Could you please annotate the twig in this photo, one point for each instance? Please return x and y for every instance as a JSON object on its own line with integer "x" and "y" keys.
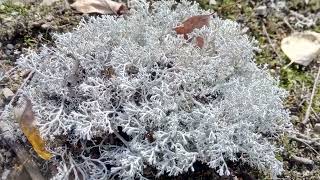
{"x": 21, "y": 86}
{"x": 270, "y": 41}
{"x": 302, "y": 160}
{"x": 306, "y": 142}
{"x": 315, "y": 114}
{"x": 122, "y": 139}
{"x": 306, "y": 118}
{"x": 26, "y": 160}
{"x": 21, "y": 152}
{"x": 8, "y": 73}
{"x": 288, "y": 24}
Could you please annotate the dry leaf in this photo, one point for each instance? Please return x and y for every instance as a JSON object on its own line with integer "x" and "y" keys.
{"x": 200, "y": 41}
{"x": 301, "y": 47}
{"x": 24, "y": 115}
{"x": 99, "y": 6}
{"x": 194, "y": 22}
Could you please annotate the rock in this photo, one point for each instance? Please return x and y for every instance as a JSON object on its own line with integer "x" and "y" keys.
{"x": 212, "y": 2}
{"x": 262, "y": 11}
{"x": 10, "y": 46}
{"x": 8, "y": 94}
{"x": 8, "y": 52}
{"x": 46, "y": 26}
{"x": 14, "y": 13}
{"x": 281, "y": 4}
{"x": 48, "y": 2}
{"x": 5, "y": 174}
{"x": 36, "y": 24}
{"x": 49, "y": 17}
{"x": 317, "y": 128}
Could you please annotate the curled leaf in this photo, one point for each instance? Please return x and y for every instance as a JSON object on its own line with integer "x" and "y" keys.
{"x": 200, "y": 41}
{"x": 301, "y": 47}
{"x": 194, "y": 22}
{"x": 99, "y": 6}
{"x": 24, "y": 115}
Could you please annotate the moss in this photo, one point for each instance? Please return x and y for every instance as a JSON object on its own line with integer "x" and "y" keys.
{"x": 8, "y": 7}
{"x": 292, "y": 76}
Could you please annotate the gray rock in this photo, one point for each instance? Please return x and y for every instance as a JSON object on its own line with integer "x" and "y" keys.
{"x": 261, "y": 11}
{"x": 10, "y": 46}
{"x": 49, "y": 17}
{"x": 46, "y": 26}
{"x": 8, "y": 52}
{"x": 8, "y": 94}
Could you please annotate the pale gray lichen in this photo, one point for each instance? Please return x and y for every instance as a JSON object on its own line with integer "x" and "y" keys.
{"x": 210, "y": 104}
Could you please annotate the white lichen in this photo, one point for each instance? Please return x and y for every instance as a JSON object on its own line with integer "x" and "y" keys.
{"x": 175, "y": 103}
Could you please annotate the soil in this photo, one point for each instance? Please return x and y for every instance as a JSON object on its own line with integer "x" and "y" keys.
{"x": 25, "y": 26}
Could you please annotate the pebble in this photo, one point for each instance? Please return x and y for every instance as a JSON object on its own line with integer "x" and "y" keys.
{"x": 8, "y": 94}
{"x": 317, "y": 128}
{"x": 261, "y": 11}
{"x": 49, "y": 18}
{"x": 10, "y": 46}
{"x": 46, "y": 26}
{"x": 8, "y": 52}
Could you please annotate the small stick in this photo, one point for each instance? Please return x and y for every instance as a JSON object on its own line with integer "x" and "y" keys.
{"x": 302, "y": 160}
{"x": 270, "y": 41}
{"x": 21, "y": 86}
{"x": 306, "y": 142}
{"x": 306, "y": 118}
{"x": 8, "y": 73}
{"x": 288, "y": 24}
{"x": 26, "y": 160}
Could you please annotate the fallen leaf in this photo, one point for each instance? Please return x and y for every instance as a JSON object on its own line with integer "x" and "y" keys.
{"x": 24, "y": 115}
{"x": 99, "y": 6}
{"x": 302, "y": 47}
{"x": 194, "y": 22}
{"x": 200, "y": 41}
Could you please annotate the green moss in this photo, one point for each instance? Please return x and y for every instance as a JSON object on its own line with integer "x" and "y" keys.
{"x": 29, "y": 41}
{"x": 292, "y": 76}
{"x": 8, "y": 7}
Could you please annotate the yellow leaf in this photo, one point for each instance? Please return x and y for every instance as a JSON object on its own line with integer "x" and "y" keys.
{"x": 24, "y": 115}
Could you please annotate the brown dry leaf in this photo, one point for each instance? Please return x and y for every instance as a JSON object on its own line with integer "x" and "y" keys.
{"x": 200, "y": 41}
{"x": 99, "y": 6}
{"x": 194, "y": 22}
{"x": 24, "y": 115}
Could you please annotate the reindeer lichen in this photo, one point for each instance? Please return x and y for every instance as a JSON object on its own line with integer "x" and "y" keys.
{"x": 128, "y": 92}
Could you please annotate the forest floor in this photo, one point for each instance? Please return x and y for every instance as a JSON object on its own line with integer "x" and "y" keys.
{"x": 28, "y": 26}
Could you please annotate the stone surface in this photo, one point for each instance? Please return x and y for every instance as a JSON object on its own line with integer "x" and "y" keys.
{"x": 261, "y": 11}
{"x": 7, "y": 93}
{"x": 10, "y": 46}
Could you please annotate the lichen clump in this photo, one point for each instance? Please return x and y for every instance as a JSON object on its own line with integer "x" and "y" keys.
{"x": 128, "y": 92}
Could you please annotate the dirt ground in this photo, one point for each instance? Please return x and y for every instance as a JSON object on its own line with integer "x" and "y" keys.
{"x": 25, "y": 26}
